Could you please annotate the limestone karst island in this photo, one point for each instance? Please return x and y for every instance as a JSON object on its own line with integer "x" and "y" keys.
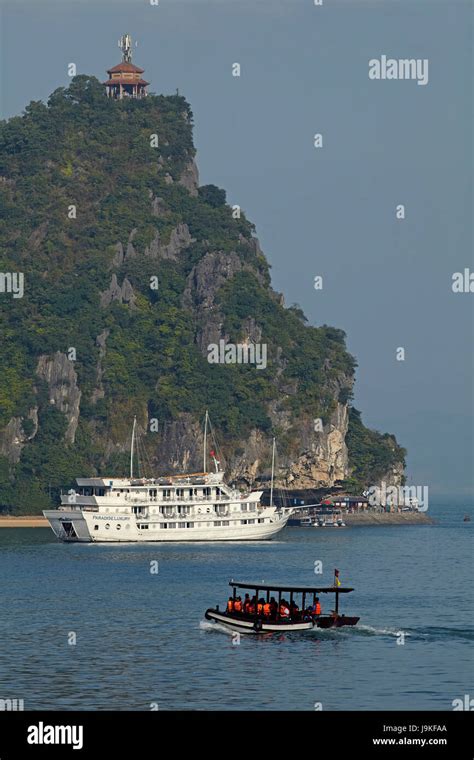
{"x": 133, "y": 273}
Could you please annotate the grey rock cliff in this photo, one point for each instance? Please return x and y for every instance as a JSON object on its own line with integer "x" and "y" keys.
{"x": 59, "y": 374}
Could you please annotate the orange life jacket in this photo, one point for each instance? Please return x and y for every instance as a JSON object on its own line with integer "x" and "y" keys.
{"x": 260, "y": 608}
{"x": 238, "y": 606}
{"x": 230, "y": 605}
{"x": 317, "y": 610}
{"x": 267, "y": 609}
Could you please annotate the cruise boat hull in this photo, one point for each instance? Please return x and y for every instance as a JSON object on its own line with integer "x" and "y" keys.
{"x": 90, "y": 527}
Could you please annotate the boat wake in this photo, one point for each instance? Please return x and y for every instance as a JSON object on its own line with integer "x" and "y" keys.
{"x": 430, "y": 633}
{"x": 204, "y": 625}
{"x": 370, "y": 630}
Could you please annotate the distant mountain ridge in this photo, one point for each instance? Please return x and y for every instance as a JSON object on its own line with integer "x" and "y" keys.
{"x": 131, "y": 271}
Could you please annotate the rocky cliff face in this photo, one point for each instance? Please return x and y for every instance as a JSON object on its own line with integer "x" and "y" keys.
{"x": 63, "y": 393}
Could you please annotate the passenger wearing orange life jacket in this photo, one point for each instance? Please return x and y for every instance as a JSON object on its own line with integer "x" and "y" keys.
{"x": 230, "y": 605}
{"x": 267, "y": 609}
{"x": 317, "y": 607}
{"x": 260, "y": 606}
{"x": 238, "y": 605}
{"x": 246, "y": 604}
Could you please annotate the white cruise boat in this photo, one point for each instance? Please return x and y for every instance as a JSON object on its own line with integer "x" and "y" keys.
{"x": 189, "y": 507}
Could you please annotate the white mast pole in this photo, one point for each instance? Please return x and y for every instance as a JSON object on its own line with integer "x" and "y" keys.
{"x": 273, "y": 472}
{"x": 132, "y": 446}
{"x": 205, "y": 442}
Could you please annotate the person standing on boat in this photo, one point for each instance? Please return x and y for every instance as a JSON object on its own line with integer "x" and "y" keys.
{"x": 284, "y": 609}
{"x": 230, "y": 605}
{"x": 267, "y": 609}
{"x": 246, "y": 604}
{"x": 238, "y": 605}
{"x": 317, "y": 607}
{"x": 273, "y": 607}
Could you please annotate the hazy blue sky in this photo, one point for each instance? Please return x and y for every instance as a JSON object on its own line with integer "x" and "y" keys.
{"x": 328, "y": 211}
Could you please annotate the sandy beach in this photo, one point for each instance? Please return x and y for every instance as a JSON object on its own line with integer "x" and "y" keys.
{"x": 23, "y": 521}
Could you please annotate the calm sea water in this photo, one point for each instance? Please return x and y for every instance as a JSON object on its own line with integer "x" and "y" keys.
{"x": 141, "y": 638}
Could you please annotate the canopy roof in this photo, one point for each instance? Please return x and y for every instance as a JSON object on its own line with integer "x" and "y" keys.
{"x": 125, "y": 66}
{"x": 297, "y": 589}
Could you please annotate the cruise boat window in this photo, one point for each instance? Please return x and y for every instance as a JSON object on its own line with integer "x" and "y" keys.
{"x": 181, "y": 525}
{"x": 225, "y": 522}
{"x": 190, "y": 525}
{"x": 96, "y": 527}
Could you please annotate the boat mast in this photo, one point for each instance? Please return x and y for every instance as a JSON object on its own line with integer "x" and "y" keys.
{"x": 273, "y": 473}
{"x": 131, "y": 448}
{"x": 205, "y": 442}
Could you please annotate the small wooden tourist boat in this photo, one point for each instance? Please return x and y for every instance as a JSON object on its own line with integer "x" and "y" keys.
{"x": 276, "y": 614}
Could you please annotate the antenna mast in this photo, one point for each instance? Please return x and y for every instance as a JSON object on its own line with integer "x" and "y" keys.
{"x": 205, "y": 441}
{"x": 132, "y": 446}
{"x": 273, "y": 472}
{"x": 125, "y": 43}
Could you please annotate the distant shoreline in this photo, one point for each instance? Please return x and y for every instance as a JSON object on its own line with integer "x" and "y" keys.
{"x": 388, "y": 518}
{"x": 23, "y": 521}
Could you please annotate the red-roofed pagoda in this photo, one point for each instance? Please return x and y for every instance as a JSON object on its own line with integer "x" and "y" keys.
{"x": 125, "y": 79}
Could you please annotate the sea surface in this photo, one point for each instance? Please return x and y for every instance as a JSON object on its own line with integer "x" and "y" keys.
{"x": 94, "y": 627}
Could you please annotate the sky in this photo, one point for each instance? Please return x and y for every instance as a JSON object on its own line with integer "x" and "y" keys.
{"x": 328, "y": 211}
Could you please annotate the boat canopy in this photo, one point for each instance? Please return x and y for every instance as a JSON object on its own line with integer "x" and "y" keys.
{"x": 294, "y": 589}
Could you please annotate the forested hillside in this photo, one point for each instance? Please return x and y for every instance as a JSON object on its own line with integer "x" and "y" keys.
{"x": 130, "y": 271}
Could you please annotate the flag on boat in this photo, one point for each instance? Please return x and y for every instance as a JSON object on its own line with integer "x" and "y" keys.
{"x": 337, "y": 582}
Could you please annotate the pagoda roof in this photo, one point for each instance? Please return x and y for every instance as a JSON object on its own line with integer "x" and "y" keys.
{"x": 122, "y": 80}
{"x": 124, "y": 66}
